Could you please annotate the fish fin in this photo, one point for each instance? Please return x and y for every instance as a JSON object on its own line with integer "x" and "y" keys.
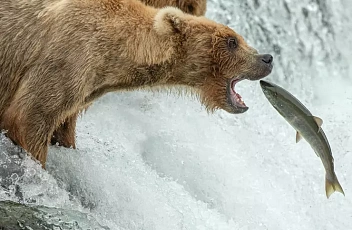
{"x": 318, "y": 120}
{"x": 332, "y": 186}
{"x": 298, "y": 137}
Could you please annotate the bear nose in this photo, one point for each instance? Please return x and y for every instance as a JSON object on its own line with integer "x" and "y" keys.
{"x": 267, "y": 58}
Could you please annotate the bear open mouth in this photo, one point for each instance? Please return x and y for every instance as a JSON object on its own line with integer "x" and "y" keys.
{"x": 234, "y": 98}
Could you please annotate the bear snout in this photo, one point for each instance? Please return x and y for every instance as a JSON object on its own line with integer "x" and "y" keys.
{"x": 267, "y": 58}
{"x": 262, "y": 66}
{"x": 265, "y": 64}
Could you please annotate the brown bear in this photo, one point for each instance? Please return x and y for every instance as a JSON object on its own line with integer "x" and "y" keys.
{"x": 195, "y": 7}
{"x": 58, "y": 56}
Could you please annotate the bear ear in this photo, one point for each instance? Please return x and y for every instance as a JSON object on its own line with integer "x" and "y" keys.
{"x": 169, "y": 20}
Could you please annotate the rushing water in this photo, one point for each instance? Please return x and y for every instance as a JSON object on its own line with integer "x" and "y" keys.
{"x": 151, "y": 161}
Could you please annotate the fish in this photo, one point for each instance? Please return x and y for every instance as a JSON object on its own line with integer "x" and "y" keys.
{"x": 306, "y": 126}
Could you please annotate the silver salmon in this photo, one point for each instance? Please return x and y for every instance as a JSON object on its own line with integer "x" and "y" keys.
{"x": 307, "y": 126}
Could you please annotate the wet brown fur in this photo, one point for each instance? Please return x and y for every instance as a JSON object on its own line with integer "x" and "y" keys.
{"x": 195, "y": 7}
{"x": 58, "y": 56}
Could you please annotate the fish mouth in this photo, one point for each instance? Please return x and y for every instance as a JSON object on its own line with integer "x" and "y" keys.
{"x": 265, "y": 84}
{"x": 234, "y": 99}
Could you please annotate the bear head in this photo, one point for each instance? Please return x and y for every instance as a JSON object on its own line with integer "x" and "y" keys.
{"x": 211, "y": 58}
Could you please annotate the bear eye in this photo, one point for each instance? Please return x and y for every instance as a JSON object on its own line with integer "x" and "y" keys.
{"x": 232, "y": 43}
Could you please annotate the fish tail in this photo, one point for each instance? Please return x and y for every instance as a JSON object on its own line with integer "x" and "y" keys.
{"x": 332, "y": 185}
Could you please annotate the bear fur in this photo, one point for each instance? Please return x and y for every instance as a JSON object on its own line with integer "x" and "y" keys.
{"x": 58, "y": 56}
{"x": 194, "y": 7}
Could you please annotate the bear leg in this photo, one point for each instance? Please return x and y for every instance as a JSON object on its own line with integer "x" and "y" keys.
{"x": 29, "y": 129}
{"x": 65, "y": 134}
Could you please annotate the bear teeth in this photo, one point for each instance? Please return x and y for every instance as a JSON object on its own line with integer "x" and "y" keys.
{"x": 236, "y": 97}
